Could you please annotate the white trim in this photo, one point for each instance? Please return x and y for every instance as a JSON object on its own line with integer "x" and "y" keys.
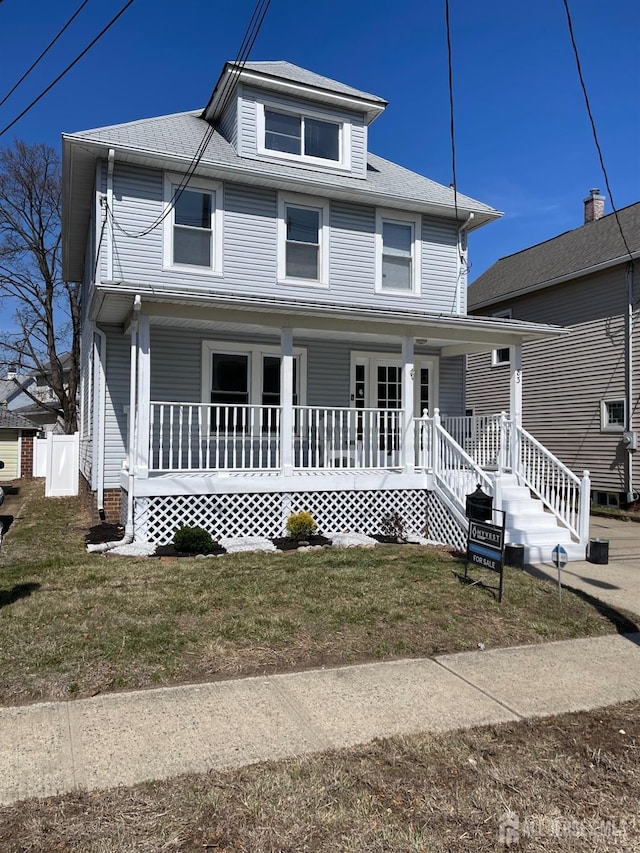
{"x": 415, "y": 220}
{"x": 605, "y": 426}
{"x": 342, "y": 164}
{"x": 254, "y": 352}
{"x": 215, "y": 189}
{"x": 312, "y": 203}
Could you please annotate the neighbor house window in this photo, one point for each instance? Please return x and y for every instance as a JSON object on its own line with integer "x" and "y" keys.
{"x": 303, "y": 241}
{"x": 501, "y": 355}
{"x": 193, "y": 226}
{"x": 304, "y": 136}
{"x": 398, "y": 253}
{"x": 613, "y": 415}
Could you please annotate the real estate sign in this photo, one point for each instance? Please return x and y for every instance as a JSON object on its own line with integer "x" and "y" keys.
{"x": 485, "y": 548}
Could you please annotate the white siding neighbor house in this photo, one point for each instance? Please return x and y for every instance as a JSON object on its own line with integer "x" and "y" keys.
{"x": 274, "y": 319}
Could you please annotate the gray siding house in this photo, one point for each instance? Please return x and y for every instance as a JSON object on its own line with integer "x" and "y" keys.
{"x": 274, "y": 319}
{"x": 580, "y": 394}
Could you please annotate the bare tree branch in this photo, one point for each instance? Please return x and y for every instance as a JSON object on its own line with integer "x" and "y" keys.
{"x": 47, "y": 311}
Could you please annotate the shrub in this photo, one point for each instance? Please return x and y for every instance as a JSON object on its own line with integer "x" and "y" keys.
{"x": 300, "y": 525}
{"x": 392, "y": 526}
{"x": 193, "y": 540}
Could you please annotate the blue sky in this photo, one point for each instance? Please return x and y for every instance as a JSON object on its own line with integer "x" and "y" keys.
{"x": 523, "y": 139}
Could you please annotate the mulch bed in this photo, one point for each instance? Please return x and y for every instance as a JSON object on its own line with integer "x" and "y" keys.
{"x": 283, "y": 543}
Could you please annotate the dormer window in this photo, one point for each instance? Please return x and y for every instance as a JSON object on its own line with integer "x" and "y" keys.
{"x": 307, "y": 136}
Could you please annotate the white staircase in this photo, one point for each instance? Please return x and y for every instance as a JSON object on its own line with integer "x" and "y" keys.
{"x": 528, "y": 523}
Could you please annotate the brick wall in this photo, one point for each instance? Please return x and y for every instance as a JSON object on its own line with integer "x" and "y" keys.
{"x": 26, "y": 455}
{"x": 112, "y": 503}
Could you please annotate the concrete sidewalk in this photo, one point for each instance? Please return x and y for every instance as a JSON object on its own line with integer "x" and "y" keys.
{"x": 125, "y": 738}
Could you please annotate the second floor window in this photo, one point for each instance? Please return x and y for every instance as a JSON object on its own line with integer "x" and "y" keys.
{"x": 301, "y": 135}
{"x": 193, "y": 225}
{"x": 193, "y": 229}
{"x": 398, "y": 252}
{"x": 302, "y": 243}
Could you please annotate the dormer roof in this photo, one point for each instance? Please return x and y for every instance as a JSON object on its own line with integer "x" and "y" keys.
{"x": 286, "y": 78}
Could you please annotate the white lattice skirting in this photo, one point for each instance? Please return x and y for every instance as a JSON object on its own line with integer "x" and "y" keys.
{"x": 257, "y": 514}
{"x": 444, "y": 527}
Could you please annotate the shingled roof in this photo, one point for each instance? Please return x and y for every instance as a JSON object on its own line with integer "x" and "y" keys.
{"x": 569, "y": 255}
{"x": 11, "y": 420}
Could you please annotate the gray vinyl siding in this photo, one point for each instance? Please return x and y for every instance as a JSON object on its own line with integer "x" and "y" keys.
{"x": 117, "y": 398}
{"x": 228, "y": 124}
{"x": 565, "y": 380}
{"x": 451, "y": 390}
{"x": 248, "y": 142}
{"x": 439, "y": 265}
{"x": 250, "y": 249}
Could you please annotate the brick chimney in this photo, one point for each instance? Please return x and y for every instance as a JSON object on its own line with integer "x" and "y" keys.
{"x": 593, "y": 206}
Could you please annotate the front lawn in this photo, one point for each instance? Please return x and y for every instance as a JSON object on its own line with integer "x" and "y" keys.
{"x": 74, "y": 624}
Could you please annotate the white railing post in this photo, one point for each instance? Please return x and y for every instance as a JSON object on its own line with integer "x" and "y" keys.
{"x": 435, "y": 442}
{"x": 286, "y": 400}
{"x": 515, "y": 402}
{"x": 408, "y": 451}
{"x": 502, "y": 452}
{"x": 585, "y": 507}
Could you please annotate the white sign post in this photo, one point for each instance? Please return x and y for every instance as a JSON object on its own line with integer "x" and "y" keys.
{"x": 559, "y": 557}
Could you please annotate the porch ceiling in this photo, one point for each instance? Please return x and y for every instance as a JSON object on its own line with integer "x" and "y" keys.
{"x": 452, "y": 335}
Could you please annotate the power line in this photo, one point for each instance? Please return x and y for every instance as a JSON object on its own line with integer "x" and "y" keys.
{"x": 68, "y": 68}
{"x": 44, "y": 52}
{"x": 593, "y": 126}
{"x": 226, "y": 93}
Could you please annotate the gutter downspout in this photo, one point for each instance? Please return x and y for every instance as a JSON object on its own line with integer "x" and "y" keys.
{"x": 100, "y": 394}
{"x": 109, "y": 213}
{"x": 133, "y": 391}
{"x": 461, "y": 231}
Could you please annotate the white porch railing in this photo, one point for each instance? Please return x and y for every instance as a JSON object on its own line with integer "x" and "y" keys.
{"x": 486, "y": 438}
{"x": 347, "y": 438}
{"x": 201, "y": 436}
{"x": 561, "y": 491}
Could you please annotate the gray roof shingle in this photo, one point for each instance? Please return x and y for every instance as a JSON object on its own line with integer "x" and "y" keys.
{"x": 569, "y": 254}
{"x": 288, "y": 71}
{"x": 11, "y": 420}
{"x": 181, "y": 134}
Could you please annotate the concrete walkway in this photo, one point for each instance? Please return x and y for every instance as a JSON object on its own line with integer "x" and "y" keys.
{"x": 121, "y": 739}
{"x": 618, "y": 582}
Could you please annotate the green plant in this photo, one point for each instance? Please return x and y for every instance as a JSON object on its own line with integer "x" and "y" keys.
{"x": 193, "y": 540}
{"x": 392, "y": 526}
{"x": 300, "y": 525}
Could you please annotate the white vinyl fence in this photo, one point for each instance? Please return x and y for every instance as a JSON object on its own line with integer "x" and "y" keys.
{"x": 57, "y": 457}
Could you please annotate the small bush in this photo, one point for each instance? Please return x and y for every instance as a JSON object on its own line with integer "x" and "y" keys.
{"x": 300, "y": 525}
{"x": 392, "y": 526}
{"x": 193, "y": 540}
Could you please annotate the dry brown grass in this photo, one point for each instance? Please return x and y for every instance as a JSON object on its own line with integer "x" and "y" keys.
{"x": 73, "y": 624}
{"x": 574, "y": 780}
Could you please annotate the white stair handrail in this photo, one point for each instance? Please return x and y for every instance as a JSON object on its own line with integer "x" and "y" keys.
{"x": 564, "y": 494}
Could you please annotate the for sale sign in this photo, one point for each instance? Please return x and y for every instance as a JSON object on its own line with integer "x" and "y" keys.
{"x": 485, "y": 545}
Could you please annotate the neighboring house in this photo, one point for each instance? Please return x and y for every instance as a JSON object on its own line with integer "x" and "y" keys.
{"x": 269, "y": 338}
{"x": 580, "y": 394}
{"x": 16, "y": 445}
{"x": 21, "y": 394}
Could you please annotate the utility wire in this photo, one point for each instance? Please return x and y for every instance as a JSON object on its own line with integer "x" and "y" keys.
{"x": 44, "y": 52}
{"x": 593, "y": 126}
{"x": 452, "y": 121}
{"x": 67, "y": 69}
{"x": 226, "y": 93}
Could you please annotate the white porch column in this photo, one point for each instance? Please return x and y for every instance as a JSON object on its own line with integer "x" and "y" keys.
{"x": 286, "y": 401}
{"x": 144, "y": 396}
{"x": 515, "y": 403}
{"x": 408, "y": 396}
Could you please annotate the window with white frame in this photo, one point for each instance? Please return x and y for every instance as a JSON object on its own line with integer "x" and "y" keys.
{"x": 398, "y": 253}
{"x": 235, "y": 376}
{"x": 501, "y": 355}
{"x": 310, "y": 135}
{"x": 613, "y": 415}
{"x": 193, "y": 226}
{"x": 303, "y": 245}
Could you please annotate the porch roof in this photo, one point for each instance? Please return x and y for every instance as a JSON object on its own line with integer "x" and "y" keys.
{"x": 452, "y": 334}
